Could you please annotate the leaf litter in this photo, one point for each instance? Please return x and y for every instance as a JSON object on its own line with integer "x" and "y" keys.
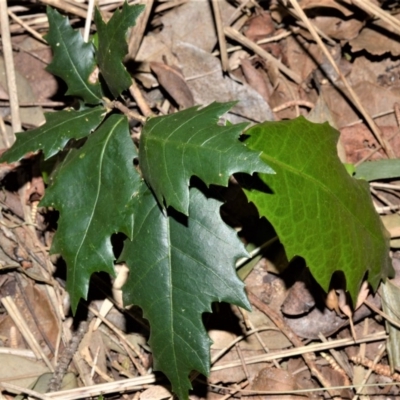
{"x": 255, "y": 355}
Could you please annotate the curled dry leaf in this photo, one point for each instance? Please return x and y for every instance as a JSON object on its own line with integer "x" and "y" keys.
{"x": 173, "y": 81}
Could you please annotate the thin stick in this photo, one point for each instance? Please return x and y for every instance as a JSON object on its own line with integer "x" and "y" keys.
{"x": 369, "y": 372}
{"x": 373, "y": 9}
{"x": 221, "y": 36}
{"x": 278, "y": 321}
{"x": 271, "y": 39}
{"x": 353, "y": 96}
{"x": 236, "y": 35}
{"x": 129, "y": 113}
{"x": 19, "y": 321}
{"x": 292, "y": 103}
{"x": 68, "y": 7}
{"x": 19, "y": 21}
{"x": 88, "y": 20}
{"x": 140, "y": 101}
{"x": 18, "y": 390}
{"x": 105, "y": 388}
{"x": 10, "y": 73}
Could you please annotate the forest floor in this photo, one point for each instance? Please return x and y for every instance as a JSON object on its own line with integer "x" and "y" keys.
{"x": 328, "y": 60}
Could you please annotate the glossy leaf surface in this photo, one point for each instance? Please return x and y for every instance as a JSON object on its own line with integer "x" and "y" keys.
{"x": 92, "y": 191}
{"x": 175, "y": 147}
{"x": 177, "y": 269}
{"x": 73, "y": 59}
{"x": 52, "y": 137}
{"x": 113, "y": 47}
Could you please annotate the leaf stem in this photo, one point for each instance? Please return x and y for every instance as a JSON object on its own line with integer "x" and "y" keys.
{"x": 255, "y": 252}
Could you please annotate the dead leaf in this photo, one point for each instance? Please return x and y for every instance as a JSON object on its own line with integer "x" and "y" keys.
{"x": 259, "y": 26}
{"x": 378, "y": 38}
{"x": 156, "y": 392}
{"x": 173, "y": 81}
{"x": 392, "y": 224}
{"x": 20, "y": 371}
{"x": 299, "y": 300}
{"x": 274, "y": 379}
{"x": 359, "y": 142}
{"x": 207, "y": 83}
{"x": 255, "y": 79}
{"x": 338, "y": 28}
{"x": 342, "y": 7}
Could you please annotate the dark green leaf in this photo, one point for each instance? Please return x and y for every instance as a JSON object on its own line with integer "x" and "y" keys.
{"x": 318, "y": 210}
{"x": 93, "y": 190}
{"x": 175, "y": 147}
{"x": 113, "y": 47}
{"x": 177, "y": 269}
{"x": 380, "y": 169}
{"x": 51, "y": 137}
{"x": 73, "y": 59}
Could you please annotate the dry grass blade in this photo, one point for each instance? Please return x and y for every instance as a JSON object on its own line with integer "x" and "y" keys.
{"x": 11, "y": 80}
{"x": 67, "y": 7}
{"x": 376, "y": 11}
{"x": 19, "y": 321}
{"x": 19, "y": 390}
{"x": 220, "y": 34}
{"x": 18, "y": 20}
{"x": 236, "y": 35}
{"x": 354, "y": 97}
{"x": 88, "y": 21}
{"x": 106, "y": 388}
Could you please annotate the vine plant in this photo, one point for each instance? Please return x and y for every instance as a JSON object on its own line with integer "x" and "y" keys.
{"x": 180, "y": 253}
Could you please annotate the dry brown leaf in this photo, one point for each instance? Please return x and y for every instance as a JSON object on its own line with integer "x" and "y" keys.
{"x": 303, "y": 57}
{"x": 377, "y": 38}
{"x": 206, "y": 81}
{"x": 156, "y": 392}
{"x": 392, "y": 224}
{"x": 274, "y": 379}
{"x": 342, "y": 7}
{"x": 338, "y": 28}
{"x": 28, "y": 63}
{"x": 259, "y": 26}
{"x": 20, "y": 371}
{"x": 299, "y": 300}
{"x": 358, "y": 142}
{"x": 376, "y": 99}
{"x": 173, "y": 81}
{"x": 255, "y": 79}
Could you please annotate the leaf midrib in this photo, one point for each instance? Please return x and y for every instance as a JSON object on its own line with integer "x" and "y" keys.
{"x": 72, "y": 63}
{"x": 101, "y": 160}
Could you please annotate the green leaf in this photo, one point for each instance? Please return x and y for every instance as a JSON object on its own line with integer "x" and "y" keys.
{"x": 113, "y": 47}
{"x": 318, "y": 211}
{"x": 51, "y": 137}
{"x": 177, "y": 269}
{"x": 93, "y": 190}
{"x": 380, "y": 169}
{"x": 175, "y": 147}
{"x": 73, "y": 59}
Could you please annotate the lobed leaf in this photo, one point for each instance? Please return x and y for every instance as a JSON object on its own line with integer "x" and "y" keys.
{"x": 175, "y": 147}
{"x": 113, "y": 47}
{"x": 177, "y": 269}
{"x": 73, "y": 59}
{"x": 52, "y": 137}
{"x": 318, "y": 210}
{"x": 93, "y": 190}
